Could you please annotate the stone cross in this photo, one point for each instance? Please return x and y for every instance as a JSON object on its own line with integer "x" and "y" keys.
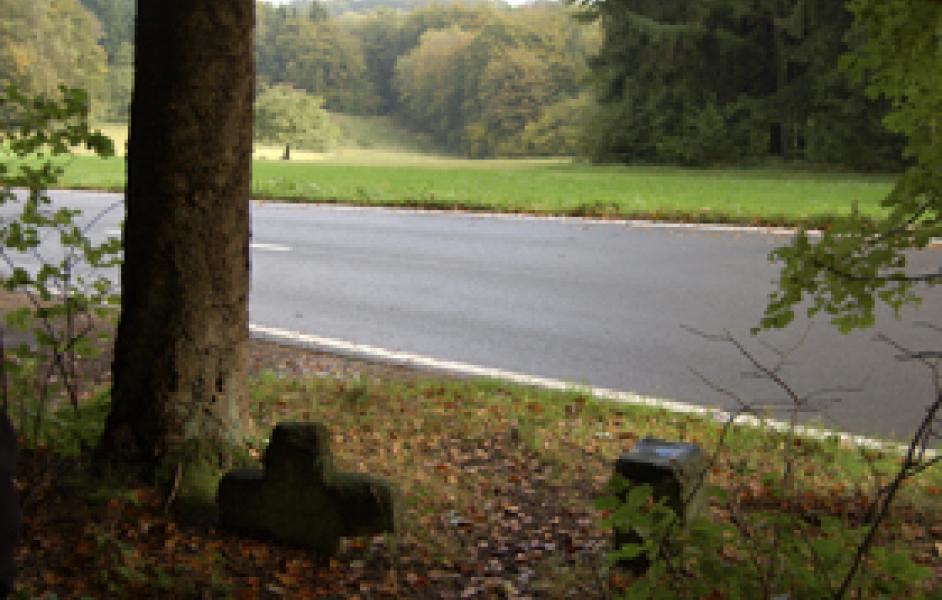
{"x": 300, "y": 498}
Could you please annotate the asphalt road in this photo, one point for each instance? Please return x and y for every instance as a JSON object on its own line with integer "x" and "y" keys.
{"x": 594, "y": 303}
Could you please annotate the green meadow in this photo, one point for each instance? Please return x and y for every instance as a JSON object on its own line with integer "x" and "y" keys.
{"x": 761, "y": 196}
{"x": 379, "y": 165}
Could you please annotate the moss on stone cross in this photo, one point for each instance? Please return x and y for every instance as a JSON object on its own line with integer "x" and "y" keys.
{"x": 300, "y": 498}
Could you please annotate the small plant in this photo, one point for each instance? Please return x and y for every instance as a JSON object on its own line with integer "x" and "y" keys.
{"x": 777, "y": 539}
{"x": 66, "y": 303}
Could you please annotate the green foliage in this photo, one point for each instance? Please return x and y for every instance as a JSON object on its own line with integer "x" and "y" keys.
{"x": 558, "y": 130}
{"x": 757, "y": 554}
{"x": 494, "y": 74}
{"x": 855, "y": 263}
{"x": 429, "y": 81}
{"x": 117, "y": 39}
{"x": 513, "y": 89}
{"x": 47, "y": 44}
{"x": 65, "y": 301}
{"x": 710, "y": 82}
{"x": 284, "y": 115}
{"x": 708, "y": 135}
{"x": 120, "y": 82}
{"x": 73, "y": 431}
{"x": 318, "y": 56}
{"x": 475, "y": 79}
{"x": 117, "y": 22}
{"x": 350, "y": 61}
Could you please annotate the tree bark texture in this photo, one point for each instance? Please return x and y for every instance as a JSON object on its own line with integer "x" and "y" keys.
{"x": 179, "y": 372}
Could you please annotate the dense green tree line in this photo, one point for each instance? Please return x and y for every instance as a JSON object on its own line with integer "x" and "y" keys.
{"x": 47, "y": 44}
{"x": 657, "y": 81}
{"x": 709, "y": 81}
{"x": 474, "y": 77}
{"x": 480, "y": 83}
{"x": 86, "y": 44}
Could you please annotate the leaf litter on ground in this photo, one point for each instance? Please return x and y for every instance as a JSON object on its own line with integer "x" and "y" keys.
{"x": 495, "y": 481}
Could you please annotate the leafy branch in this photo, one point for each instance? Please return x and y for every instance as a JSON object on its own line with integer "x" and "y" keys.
{"x": 35, "y": 133}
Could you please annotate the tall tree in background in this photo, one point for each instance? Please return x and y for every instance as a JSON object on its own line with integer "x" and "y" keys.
{"x": 475, "y": 88}
{"x": 302, "y": 49}
{"x": 47, "y": 44}
{"x": 180, "y": 354}
{"x": 673, "y": 71}
{"x": 430, "y": 81}
{"x": 513, "y": 89}
{"x": 117, "y": 21}
{"x": 731, "y": 80}
{"x": 284, "y": 115}
{"x": 117, "y": 39}
{"x": 380, "y": 35}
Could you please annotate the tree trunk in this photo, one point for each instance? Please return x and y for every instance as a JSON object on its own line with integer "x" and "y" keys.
{"x": 181, "y": 350}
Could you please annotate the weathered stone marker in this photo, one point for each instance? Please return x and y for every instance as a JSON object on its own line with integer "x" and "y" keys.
{"x": 673, "y": 470}
{"x": 300, "y": 498}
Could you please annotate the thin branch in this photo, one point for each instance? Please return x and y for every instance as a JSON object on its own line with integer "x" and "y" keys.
{"x": 927, "y": 325}
{"x": 930, "y": 278}
{"x": 743, "y": 405}
{"x": 908, "y": 468}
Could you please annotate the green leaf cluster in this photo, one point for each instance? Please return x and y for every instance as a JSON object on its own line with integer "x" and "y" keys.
{"x": 65, "y": 294}
{"x": 855, "y": 264}
{"x": 757, "y": 554}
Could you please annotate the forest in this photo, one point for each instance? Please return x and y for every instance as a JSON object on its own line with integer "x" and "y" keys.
{"x": 705, "y": 82}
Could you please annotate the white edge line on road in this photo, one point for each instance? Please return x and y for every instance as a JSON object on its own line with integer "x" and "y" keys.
{"x": 375, "y": 353}
{"x": 636, "y": 223}
{"x": 269, "y": 247}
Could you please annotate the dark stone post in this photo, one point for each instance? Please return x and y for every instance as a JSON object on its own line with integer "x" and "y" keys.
{"x": 674, "y": 471}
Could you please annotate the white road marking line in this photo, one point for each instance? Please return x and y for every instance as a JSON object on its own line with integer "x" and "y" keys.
{"x": 636, "y": 223}
{"x": 375, "y": 353}
{"x": 269, "y": 247}
{"x": 116, "y": 232}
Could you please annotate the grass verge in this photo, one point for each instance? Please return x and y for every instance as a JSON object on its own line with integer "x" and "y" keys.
{"x": 760, "y": 196}
{"x": 496, "y": 484}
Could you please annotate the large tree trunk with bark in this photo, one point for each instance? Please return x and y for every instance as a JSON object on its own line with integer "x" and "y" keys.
{"x": 181, "y": 349}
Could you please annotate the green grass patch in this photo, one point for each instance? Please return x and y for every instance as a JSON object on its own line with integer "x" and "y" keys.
{"x": 379, "y": 178}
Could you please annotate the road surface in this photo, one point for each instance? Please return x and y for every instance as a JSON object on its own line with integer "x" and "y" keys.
{"x": 593, "y": 303}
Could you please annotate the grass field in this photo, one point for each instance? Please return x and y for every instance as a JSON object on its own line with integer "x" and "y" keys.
{"x": 376, "y": 177}
{"x": 379, "y": 163}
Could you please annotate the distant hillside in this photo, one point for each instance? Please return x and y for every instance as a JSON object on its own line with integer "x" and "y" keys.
{"x": 379, "y": 133}
{"x": 340, "y": 7}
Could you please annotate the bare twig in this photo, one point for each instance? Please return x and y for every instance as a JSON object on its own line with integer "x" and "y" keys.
{"x": 913, "y": 463}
